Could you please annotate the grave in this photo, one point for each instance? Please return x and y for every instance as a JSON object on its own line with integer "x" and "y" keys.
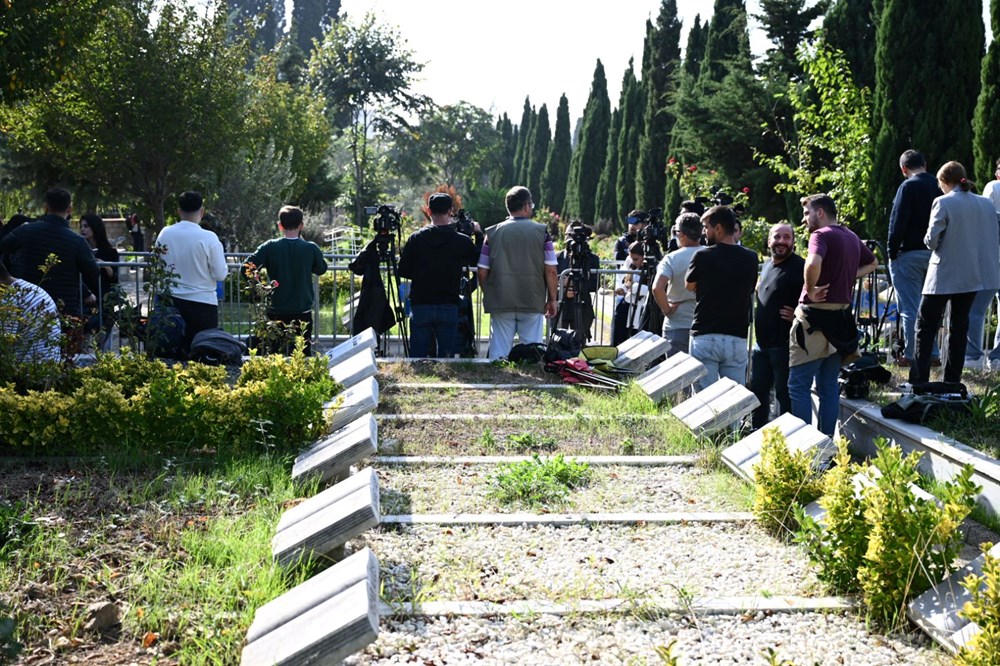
{"x": 332, "y": 456}
{"x": 354, "y": 369}
{"x": 321, "y": 621}
{"x": 640, "y": 350}
{"x": 360, "y": 399}
{"x": 722, "y": 404}
{"x": 799, "y": 435}
{"x": 364, "y": 340}
{"x": 861, "y": 481}
{"x": 327, "y": 521}
{"x": 671, "y": 376}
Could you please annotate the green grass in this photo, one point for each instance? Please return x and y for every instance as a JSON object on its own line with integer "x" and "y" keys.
{"x": 537, "y": 482}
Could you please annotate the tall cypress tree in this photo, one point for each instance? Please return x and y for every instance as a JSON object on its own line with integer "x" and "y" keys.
{"x": 259, "y": 16}
{"x": 538, "y": 151}
{"x": 694, "y": 54}
{"x": 556, "y": 171}
{"x": 508, "y": 141}
{"x": 727, "y": 43}
{"x": 588, "y": 159}
{"x": 850, "y": 26}
{"x": 604, "y": 199}
{"x": 659, "y": 78}
{"x": 311, "y": 19}
{"x": 633, "y": 123}
{"x": 524, "y": 135}
{"x": 922, "y": 100}
{"x": 986, "y": 123}
{"x": 786, "y": 24}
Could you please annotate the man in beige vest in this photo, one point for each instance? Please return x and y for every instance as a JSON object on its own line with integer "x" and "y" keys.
{"x": 517, "y": 271}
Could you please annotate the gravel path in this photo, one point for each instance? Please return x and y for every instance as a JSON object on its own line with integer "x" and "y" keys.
{"x": 613, "y": 489}
{"x": 432, "y": 562}
{"x": 806, "y": 639}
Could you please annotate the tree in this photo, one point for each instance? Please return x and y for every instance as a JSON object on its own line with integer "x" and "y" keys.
{"x": 523, "y": 137}
{"x": 659, "y": 78}
{"x": 694, "y": 53}
{"x": 628, "y": 138}
{"x": 786, "y": 24}
{"x": 850, "y": 26}
{"x": 311, "y": 20}
{"x": 258, "y": 19}
{"x": 986, "y": 122}
{"x": 605, "y": 202}
{"x": 585, "y": 167}
{"x": 538, "y": 151}
{"x": 365, "y": 74}
{"x": 556, "y": 171}
{"x": 508, "y": 144}
{"x": 921, "y": 100}
{"x": 727, "y": 44}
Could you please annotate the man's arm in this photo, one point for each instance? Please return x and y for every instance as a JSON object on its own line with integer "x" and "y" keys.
{"x": 89, "y": 270}
{"x": 816, "y": 293}
{"x": 551, "y": 280}
{"x": 217, "y": 261}
{"x": 319, "y": 262}
{"x": 867, "y": 268}
{"x": 660, "y": 294}
{"x": 691, "y": 277}
{"x": 406, "y": 260}
{"x": 898, "y": 219}
{"x": 483, "y": 268}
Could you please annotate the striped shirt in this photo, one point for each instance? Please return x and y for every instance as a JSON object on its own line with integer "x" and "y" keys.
{"x": 28, "y": 314}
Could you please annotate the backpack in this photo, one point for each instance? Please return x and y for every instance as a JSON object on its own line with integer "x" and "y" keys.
{"x": 214, "y": 346}
{"x": 920, "y": 408}
{"x": 564, "y": 344}
{"x": 164, "y": 331}
{"x": 526, "y": 353}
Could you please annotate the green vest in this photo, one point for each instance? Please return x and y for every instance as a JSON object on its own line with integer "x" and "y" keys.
{"x": 517, "y": 267}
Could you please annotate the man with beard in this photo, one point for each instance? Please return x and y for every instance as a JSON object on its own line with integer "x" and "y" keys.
{"x": 777, "y": 294}
{"x": 722, "y": 276}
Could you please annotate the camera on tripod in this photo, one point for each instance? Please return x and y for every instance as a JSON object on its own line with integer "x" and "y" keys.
{"x": 463, "y": 223}
{"x": 722, "y": 198}
{"x": 654, "y": 231}
{"x": 386, "y": 220}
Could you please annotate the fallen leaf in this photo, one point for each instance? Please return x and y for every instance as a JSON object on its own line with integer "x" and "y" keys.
{"x": 149, "y": 640}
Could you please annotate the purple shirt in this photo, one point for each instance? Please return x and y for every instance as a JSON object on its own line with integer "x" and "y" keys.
{"x": 843, "y": 253}
{"x": 548, "y": 247}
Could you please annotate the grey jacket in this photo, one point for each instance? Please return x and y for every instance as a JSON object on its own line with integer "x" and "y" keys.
{"x": 964, "y": 235}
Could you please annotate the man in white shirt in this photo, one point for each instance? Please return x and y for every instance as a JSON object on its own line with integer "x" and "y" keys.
{"x": 670, "y": 291}
{"x": 30, "y": 317}
{"x": 195, "y": 255}
{"x": 977, "y": 356}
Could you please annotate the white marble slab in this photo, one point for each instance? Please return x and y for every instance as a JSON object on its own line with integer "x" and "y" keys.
{"x": 366, "y": 339}
{"x": 720, "y": 405}
{"x": 354, "y": 369}
{"x": 352, "y": 403}
{"x": 742, "y": 456}
{"x": 333, "y": 455}
{"x": 671, "y": 376}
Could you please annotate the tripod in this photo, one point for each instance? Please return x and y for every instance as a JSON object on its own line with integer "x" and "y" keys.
{"x": 385, "y": 246}
{"x": 651, "y": 318}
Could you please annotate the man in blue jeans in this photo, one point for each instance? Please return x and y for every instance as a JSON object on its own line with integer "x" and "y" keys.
{"x": 908, "y": 256}
{"x": 433, "y": 258}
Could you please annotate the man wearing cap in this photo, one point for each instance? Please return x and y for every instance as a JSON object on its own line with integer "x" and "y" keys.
{"x": 433, "y": 258}
{"x": 517, "y": 270}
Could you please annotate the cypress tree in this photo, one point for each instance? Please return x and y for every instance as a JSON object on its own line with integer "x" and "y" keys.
{"x": 556, "y": 170}
{"x": 659, "y": 78}
{"x": 631, "y": 132}
{"x": 588, "y": 159}
{"x": 727, "y": 43}
{"x": 850, "y": 26}
{"x": 986, "y": 122}
{"x": 311, "y": 19}
{"x": 524, "y": 135}
{"x": 538, "y": 151}
{"x": 508, "y": 144}
{"x": 922, "y": 100}
{"x": 694, "y": 54}
{"x": 786, "y": 24}
{"x": 605, "y": 200}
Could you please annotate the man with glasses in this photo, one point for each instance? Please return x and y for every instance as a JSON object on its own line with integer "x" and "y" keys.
{"x": 517, "y": 271}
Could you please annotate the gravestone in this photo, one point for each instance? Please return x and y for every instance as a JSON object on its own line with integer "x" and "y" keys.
{"x": 671, "y": 376}
{"x": 352, "y": 403}
{"x": 860, "y": 481}
{"x": 720, "y": 405}
{"x": 640, "y": 350}
{"x": 354, "y": 369}
{"x": 799, "y": 436}
{"x": 364, "y": 340}
{"x": 327, "y": 521}
{"x": 332, "y": 456}
{"x": 321, "y": 621}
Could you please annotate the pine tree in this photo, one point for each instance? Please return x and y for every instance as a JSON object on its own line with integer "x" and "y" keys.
{"x": 538, "y": 151}
{"x": 986, "y": 122}
{"x": 850, "y": 26}
{"x": 557, "y": 162}
{"x": 922, "y": 101}
{"x": 694, "y": 54}
{"x": 588, "y": 159}
{"x": 311, "y": 19}
{"x": 786, "y": 24}
{"x": 507, "y": 147}
{"x": 659, "y": 78}
{"x": 260, "y": 17}
{"x": 632, "y": 125}
{"x": 727, "y": 44}
{"x": 524, "y": 135}
{"x": 605, "y": 200}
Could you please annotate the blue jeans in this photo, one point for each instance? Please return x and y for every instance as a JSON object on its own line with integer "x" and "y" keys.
{"x": 433, "y": 322}
{"x": 977, "y": 326}
{"x": 908, "y": 271}
{"x": 800, "y": 382}
{"x": 679, "y": 339}
{"x": 722, "y": 356}
{"x": 769, "y": 367}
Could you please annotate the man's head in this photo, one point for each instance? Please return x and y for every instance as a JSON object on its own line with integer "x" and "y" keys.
{"x": 191, "y": 206}
{"x": 58, "y": 202}
{"x": 781, "y": 242}
{"x": 290, "y": 218}
{"x": 912, "y": 162}
{"x": 637, "y": 220}
{"x": 738, "y": 230}
{"x": 818, "y": 211}
{"x": 996, "y": 172}
{"x": 719, "y": 223}
{"x": 440, "y": 205}
{"x": 693, "y": 206}
{"x": 688, "y": 227}
{"x": 518, "y": 201}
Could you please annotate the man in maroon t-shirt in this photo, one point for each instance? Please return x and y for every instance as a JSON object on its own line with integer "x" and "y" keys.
{"x": 824, "y": 335}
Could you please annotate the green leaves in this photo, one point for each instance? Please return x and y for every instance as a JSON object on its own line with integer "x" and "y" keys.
{"x": 538, "y": 482}
{"x": 785, "y": 480}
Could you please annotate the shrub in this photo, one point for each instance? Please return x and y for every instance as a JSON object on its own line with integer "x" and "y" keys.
{"x": 983, "y": 609}
{"x": 785, "y": 480}
{"x": 332, "y": 283}
{"x": 536, "y": 482}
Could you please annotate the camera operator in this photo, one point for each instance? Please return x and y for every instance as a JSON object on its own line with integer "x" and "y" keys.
{"x": 637, "y": 220}
{"x": 576, "y": 310}
{"x": 675, "y": 301}
{"x": 433, "y": 258}
{"x": 629, "y": 312}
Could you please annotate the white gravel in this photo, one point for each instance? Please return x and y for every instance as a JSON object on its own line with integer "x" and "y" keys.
{"x": 805, "y": 639}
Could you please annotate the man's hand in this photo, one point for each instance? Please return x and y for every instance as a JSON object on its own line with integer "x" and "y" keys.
{"x": 550, "y": 309}
{"x": 817, "y": 294}
{"x": 787, "y": 312}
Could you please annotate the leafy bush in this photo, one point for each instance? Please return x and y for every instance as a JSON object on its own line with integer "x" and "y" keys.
{"x": 983, "y": 609}
{"x": 785, "y": 480}
{"x": 536, "y": 482}
{"x": 332, "y": 283}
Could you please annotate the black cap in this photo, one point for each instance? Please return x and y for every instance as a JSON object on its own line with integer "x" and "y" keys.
{"x": 439, "y": 203}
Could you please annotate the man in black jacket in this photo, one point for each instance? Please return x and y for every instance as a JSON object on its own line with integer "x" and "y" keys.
{"x": 34, "y": 242}
{"x": 433, "y": 258}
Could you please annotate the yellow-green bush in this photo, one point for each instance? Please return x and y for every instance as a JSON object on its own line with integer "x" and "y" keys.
{"x": 983, "y": 609}
{"x": 785, "y": 480}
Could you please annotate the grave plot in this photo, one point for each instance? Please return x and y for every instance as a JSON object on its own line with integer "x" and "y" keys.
{"x": 457, "y": 401}
{"x": 429, "y": 371}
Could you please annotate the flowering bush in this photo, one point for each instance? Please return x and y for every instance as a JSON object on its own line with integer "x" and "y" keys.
{"x": 259, "y": 289}
{"x": 696, "y": 182}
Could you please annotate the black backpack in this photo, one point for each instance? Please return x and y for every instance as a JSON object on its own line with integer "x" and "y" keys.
{"x": 526, "y": 353}
{"x": 214, "y": 346}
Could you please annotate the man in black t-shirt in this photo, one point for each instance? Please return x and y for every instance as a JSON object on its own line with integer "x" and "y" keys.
{"x": 777, "y": 295}
{"x": 433, "y": 259}
{"x": 722, "y": 276}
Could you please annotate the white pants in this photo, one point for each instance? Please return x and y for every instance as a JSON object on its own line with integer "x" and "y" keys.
{"x": 529, "y": 327}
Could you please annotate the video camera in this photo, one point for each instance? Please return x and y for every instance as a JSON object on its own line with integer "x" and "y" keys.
{"x": 577, "y": 245}
{"x": 654, "y": 231}
{"x": 387, "y": 219}
{"x": 463, "y": 223}
{"x": 722, "y": 198}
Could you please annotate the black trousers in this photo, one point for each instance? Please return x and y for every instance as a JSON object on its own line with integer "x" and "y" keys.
{"x": 929, "y": 318}
{"x": 197, "y": 317}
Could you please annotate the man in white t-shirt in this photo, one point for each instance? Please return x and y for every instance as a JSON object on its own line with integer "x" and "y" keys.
{"x": 29, "y": 315}
{"x": 669, "y": 291}
{"x": 976, "y": 356}
{"x": 196, "y": 256}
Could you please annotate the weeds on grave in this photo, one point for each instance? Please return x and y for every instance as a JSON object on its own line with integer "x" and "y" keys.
{"x": 785, "y": 480}
{"x": 774, "y": 659}
{"x": 538, "y": 482}
{"x": 984, "y": 609}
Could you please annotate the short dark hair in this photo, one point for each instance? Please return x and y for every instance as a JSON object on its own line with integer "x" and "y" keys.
{"x": 439, "y": 203}
{"x": 636, "y": 248}
{"x": 689, "y": 224}
{"x": 58, "y": 200}
{"x": 190, "y": 202}
{"x": 692, "y": 206}
{"x": 641, "y": 217}
{"x": 517, "y": 198}
{"x": 721, "y": 215}
{"x": 820, "y": 201}
{"x": 290, "y": 217}
{"x": 998, "y": 164}
{"x": 912, "y": 159}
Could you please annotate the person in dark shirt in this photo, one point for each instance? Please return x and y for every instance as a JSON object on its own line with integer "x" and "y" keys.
{"x": 722, "y": 276}
{"x": 908, "y": 256}
{"x": 433, "y": 258}
{"x": 34, "y": 242}
{"x": 777, "y": 294}
{"x": 94, "y": 232}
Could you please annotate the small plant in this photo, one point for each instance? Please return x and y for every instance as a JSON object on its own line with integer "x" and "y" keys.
{"x": 538, "y": 482}
{"x": 986, "y": 406}
{"x": 527, "y": 442}
{"x": 487, "y": 441}
{"x": 785, "y": 480}
{"x": 259, "y": 289}
{"x": 666, "y": 654}
{"x": 983, "y": 609}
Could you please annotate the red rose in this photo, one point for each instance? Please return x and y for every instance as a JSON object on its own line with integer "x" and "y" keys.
{"x": 672, "y": 160}
{"x": 746, "y": 190}
{"x": 693, "y": 168}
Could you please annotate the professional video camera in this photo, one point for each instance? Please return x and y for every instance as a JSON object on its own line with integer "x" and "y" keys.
{"x": 577, "y": 245}
{"x": 576, "y": 312}
{"x": 722, "y": 198}
{"x": 654, "y": 231}
{"x": 386, "y": 219}
{"x": 463, "y": 223}
{"x": 388, "y": 227}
